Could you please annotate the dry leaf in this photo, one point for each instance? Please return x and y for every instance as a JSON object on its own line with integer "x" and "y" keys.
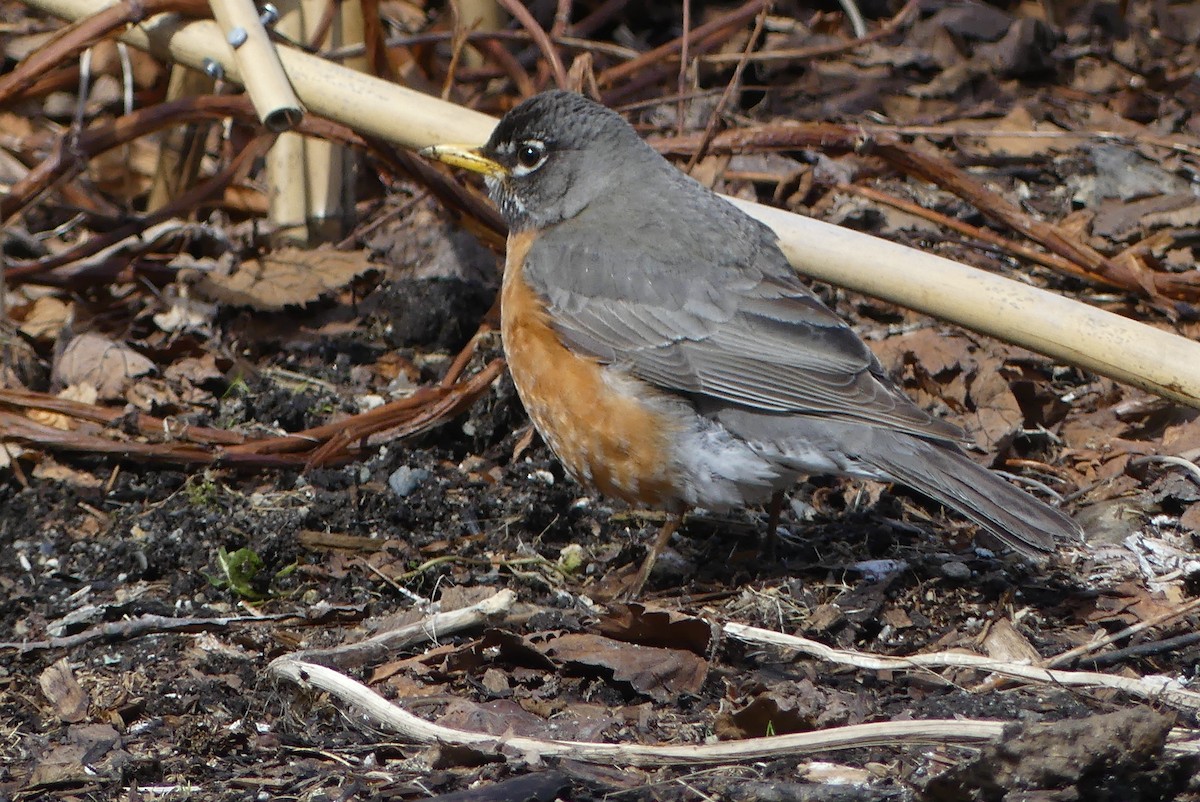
{"x": 1004, "y": 642}
{"x": 186, "y": 314}
{"x": 658, "y": 673}
{"x": 1020, "y": 123}
{"x": 194, "y": 370}
{"x": 59, "y": 686}
{"x": 151, "y": 395}
{"x": 637, "y": 623}
{"x": 102, "y": 363}
{"x": 44, "y": 318}
{"x": 287, "y": 277}
{"x": 83, "y": 393}
{"x": 997, "y": 413}
{"x": 8, "y": 453}
{"x": 54, "y": 471}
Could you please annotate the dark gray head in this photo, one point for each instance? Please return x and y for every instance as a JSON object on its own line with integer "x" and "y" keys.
{"x": 552, "y": 155}
{"x": 559, "y": 151}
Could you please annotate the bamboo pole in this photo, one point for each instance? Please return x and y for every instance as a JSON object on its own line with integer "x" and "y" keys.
{"x": 1060, "y": 327}
{"x": 365, "y": 103}
{"x": 287, "y": 185}
{"x": 1041, "y": 321}
{"x": 331, "y": 169}
{"x": 478, "y": 15}
{"x": 261, "y": 73}
{"x": 182, "y": 147}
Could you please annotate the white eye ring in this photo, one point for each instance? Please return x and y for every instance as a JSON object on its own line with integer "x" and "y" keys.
{"x": 531, "y": 154}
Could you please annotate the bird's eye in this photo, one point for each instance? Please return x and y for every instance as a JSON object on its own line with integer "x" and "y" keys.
{"x": 530, "y": 154}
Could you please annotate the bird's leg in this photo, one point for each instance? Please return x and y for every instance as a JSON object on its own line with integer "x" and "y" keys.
{"x": 660, "y": 543}
{"x": 770, "y": 537}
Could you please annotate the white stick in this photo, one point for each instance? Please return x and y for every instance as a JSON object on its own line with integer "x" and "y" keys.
{"x": 888, "y": 733}
{"x": 491, "y": 610}
{"x": 1158, "y": 689}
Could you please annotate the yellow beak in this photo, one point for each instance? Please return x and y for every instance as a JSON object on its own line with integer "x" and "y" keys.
{"x": 466, "y": 157}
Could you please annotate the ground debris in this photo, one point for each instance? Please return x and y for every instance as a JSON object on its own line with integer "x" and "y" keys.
{"x": 1111, "y": 756}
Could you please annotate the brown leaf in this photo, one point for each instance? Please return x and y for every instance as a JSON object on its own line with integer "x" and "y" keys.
{"x": 1117, "y": 220}
{"x": 1004, "y": 642}
{"x": 653, "y": 627}
{"x": 658, "y": 673}
{"x": 44, "y": 318}
{"x": 937, "y": 352}
{"x": 997, "y": 413}
{"x": 54, "y": 471}
{"x": 784, "y": 708}
{"x": 1020, "y": 123}
{"x": 88, "y": 748}
{"x": 59, "y": 686}
{"x": 287, "y": 277}
{"x": 499, "y": 717}
{"x": 194, "y": 370}
{"x": 95, "y": 360}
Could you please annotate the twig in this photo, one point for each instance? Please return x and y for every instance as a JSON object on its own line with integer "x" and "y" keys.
{"x": 140, "y": 627}
{"x": 107, "y": 135}
{"x": 489, "y": 612}
{"x": 1174, "y": 644}
{"x": 1159, "y": 689}
{"x": 1050, "y": 260}
{"x": 562, "y": 19}
{"x": 382, "y": 425}
{"x": 478, "y": 38}
{"x": 855, "y": 18}
{"x": 147, "y": 425}
{"x": 507, "y": 62}
{"x": 523, "y": 16}
{"x": 602, "y": 14}
{"x": 69, "y": 42}
{"x": 822, "y": 51}
{"x": 958, "y": 732}
{"x": 1189, "y": 467}
{"x": 941, "y": 172}
{"x": 710, "y": 128}
{"x": 681, "y": 80}
{"x": 1071, "y": 655}
{"x": 239, "y": 166}
{"x": 698, "y": 38}
{"x": 1114, "y": 346}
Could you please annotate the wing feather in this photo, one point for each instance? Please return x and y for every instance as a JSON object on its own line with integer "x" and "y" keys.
{"x": 745, "y": 331}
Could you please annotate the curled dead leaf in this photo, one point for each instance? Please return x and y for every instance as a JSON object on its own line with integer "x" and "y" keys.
{"x": 105, "y": 364}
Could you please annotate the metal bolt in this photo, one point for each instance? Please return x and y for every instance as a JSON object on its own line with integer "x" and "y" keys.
{"x": 269, "y": 15}
{"x": 237, "y": 37}
{"x": 213, "y": 69}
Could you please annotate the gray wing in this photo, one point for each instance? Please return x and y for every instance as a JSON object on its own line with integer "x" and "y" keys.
{"x": 742, "y": 330}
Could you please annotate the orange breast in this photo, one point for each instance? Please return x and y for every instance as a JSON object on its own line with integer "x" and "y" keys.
{"x": 603, "y": 431}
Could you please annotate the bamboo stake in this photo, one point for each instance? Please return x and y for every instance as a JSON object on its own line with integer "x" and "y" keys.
{"x": 263, "y": 76}
{"x": 478, "y": 15}
{"x": 1058, "y": 327}
{"x": 330, "y": 168}
{"x": 287, "y": 186}
{"x": 182, "y": 147}
{"x": 365, "y": 103}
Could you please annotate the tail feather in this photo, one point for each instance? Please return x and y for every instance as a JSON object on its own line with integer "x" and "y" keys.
{"x": 947, "y": 475}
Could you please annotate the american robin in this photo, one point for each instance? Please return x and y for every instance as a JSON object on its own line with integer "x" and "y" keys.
{"x": 670, "y": 356}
